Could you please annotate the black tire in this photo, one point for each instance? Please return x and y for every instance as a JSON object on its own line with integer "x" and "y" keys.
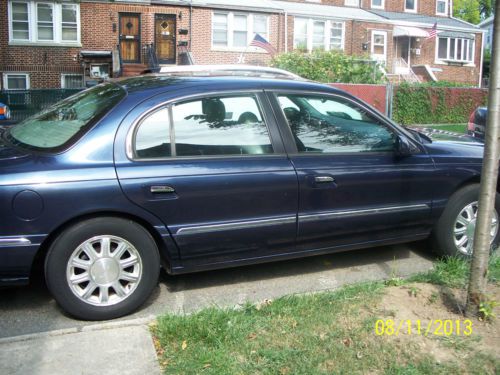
{"x": 442, "y": 237}
{"x": 64, "y": 248}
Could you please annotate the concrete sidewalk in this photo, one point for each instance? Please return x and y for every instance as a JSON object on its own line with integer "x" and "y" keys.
{"x": 121, "y": 348}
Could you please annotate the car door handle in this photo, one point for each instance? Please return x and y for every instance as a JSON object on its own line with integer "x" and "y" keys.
{"x": 162, "y": 189}
{"x": 323, "y": 179}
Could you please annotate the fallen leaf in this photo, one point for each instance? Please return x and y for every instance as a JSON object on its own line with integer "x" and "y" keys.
{"x": 252, "y": 336}
{"x": 184, "y": 345}
{"x": 359, "y": 355}
{"x": 207, "y": 365}
{"x": 347, "y": 342}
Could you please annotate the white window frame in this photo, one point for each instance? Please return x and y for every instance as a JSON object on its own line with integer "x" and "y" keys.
{"x": 445, "y": 8}
{"x": 382, "y": 6}
{"x": 10, "y": 20}
{"x": 411, "y": 10}
{"x": 63, "y": 79}
{"x": 33, "y": 24}
{"x": 374, "y": 55}
{"x": 5, "y": 80}
{"x": 230, "y": 32}
{"x": 351, "y": 3}
{"x": 326, "y": 36}
{"x": 454, "y": 59}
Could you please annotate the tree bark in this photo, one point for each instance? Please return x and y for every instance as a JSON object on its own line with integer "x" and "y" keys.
{"x": 489, "y": 177}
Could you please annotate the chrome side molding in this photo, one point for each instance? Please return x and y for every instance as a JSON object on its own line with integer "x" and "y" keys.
{"x": 14, "y": 241}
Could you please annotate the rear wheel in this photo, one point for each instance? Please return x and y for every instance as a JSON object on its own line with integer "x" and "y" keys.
{"x": 102, "y": 268}
{"x": 454, "y": 231}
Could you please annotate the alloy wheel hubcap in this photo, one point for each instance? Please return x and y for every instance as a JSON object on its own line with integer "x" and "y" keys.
{"x": 104, "y": 270}
{"x": 465, "y": 226}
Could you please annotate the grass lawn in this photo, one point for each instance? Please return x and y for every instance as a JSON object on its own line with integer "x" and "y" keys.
{"x": 455, "y": 128}
{"x": 334, "y": 332}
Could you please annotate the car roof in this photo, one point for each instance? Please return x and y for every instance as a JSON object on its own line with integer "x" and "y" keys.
{"x": 153, "y": 84}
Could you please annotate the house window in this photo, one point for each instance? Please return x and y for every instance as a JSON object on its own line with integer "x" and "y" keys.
{"x": 442, "y": 7}
{"x": 69, "y": 22}
{"x": 352, "y": 3}
{"x": 379, "y": 45}
{"x": 378, "y": 4}
{"x": 240, "y": 30}
{"x": 39, "y": 22}
{"x": 20, "y": 25}
{"x": 236, "y": 30}
{"x": 16, "y": 81}
{"x": 71, "y": 81}
{"x": 410, "y": 5}
{"x": 456, "y": 49}
{"x": 336, "y": 35}
{"x": 312, "y": 34}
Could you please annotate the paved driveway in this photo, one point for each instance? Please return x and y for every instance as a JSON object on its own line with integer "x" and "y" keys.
{"x": 26, "y": 310}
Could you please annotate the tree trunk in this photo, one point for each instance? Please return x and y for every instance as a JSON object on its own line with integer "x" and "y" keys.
{"x": 489, "y": 176}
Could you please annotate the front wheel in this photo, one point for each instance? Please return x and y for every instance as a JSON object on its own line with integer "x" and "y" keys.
{"x": 102, "y": 268}
{"x": 454, "y": 231}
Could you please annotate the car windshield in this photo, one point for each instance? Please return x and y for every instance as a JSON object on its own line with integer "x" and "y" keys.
{"x": 65, "y": 122}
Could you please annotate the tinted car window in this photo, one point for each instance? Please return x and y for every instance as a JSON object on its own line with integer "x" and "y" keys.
{"x": 332, "y": 125}
{"x": 224, "y": 125}
{"x": 64, "y": 122}
{"x": 152, "y": 139}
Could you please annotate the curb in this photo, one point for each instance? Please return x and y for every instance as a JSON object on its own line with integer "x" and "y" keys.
{"x": 89, "y": 328}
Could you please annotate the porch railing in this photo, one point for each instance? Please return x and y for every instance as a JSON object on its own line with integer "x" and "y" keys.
{"x": 150, "y": 58}
{"x": 404, "y": 70}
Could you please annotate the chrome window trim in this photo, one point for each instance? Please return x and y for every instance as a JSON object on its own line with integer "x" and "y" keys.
{"x": 200, "y": 229}
{"x": 353, "y": 213}
{"x": 132, "y": 132}
{"x": 14, "y": 241}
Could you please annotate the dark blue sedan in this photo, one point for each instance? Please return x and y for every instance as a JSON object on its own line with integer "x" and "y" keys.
{"x": 191, "y": 174}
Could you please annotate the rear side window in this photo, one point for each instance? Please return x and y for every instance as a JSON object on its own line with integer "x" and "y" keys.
{"x": 211, "y": 126}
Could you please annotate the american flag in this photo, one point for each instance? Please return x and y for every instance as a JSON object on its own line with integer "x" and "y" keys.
{"x": 433, "y": 32}
{"x": 259, "y": 41}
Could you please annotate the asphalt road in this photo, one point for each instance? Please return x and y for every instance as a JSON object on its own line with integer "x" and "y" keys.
{"x": 31, "y": 309}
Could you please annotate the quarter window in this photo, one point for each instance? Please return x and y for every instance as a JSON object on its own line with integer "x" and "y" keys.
{"x": 334, "y": 125}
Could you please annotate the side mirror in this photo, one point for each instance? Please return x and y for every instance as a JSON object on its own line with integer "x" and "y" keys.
{"x": 404, "y": 147}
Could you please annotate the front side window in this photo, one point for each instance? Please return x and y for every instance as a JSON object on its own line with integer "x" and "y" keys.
{"x": 442, "y": 7}
{"x": 229, "y": 125}
{"x": 66, "y": 121}
{"x": 322, "y": 124}
{"x": 16, "y": 81}
{"x": 44, "y": 21}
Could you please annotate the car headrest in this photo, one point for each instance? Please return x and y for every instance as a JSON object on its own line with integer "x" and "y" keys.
{"x": 214, "y": 110}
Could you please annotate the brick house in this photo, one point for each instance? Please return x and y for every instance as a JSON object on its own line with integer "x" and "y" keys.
{"x": 63, "y": 43}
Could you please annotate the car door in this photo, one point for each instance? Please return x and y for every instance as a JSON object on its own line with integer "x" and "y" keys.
{"x": 213, "y": 168}
{"x": 354, "y": 189}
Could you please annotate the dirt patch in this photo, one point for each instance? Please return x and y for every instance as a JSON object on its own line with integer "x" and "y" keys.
{"x": 416, "y": 310}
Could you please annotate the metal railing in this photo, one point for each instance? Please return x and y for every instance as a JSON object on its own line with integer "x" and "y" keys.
{"x": 150, "y": 58}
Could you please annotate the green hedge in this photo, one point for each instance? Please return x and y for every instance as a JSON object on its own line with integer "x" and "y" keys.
{"x": 432, "y": 104}
{"x": 330, "y": 67}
